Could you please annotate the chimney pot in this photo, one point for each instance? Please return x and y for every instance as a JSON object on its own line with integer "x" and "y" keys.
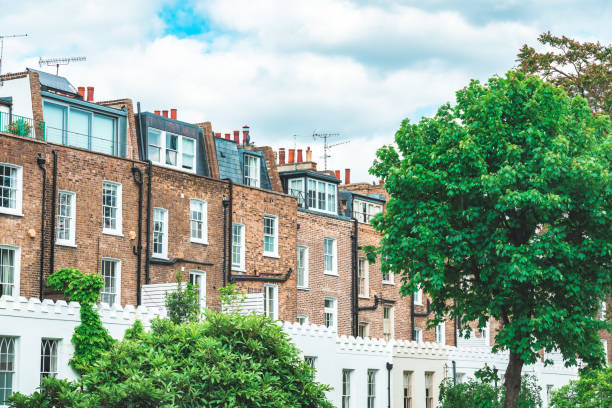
{"x": 165, "y": 113}
{"x": 291, "y": 156}
{"x": 228, "y": 136}
{"x": 82, "y": 91}
{"x": 299, "y": 156}
{"x": 337, "y": 174}
{"x": 157, "y": 112}
{"x": 309, "y": 155}
{"x": 347, "y": 176}
{"x": 218, "y": 134}
{"x": 281, "y": 155}
{"x": 237, "y": 136}
{"x": 173, "y": 114}
{"x": 90, "y": 94}
{"x": 245, "y": 134}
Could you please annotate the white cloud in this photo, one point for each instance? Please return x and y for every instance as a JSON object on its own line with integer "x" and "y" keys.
{"x": 283, "y": 67}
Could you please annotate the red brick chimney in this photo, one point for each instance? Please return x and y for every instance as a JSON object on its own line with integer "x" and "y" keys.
{"x": 299, "y": 156}
{"x": 291, "y": 156}
{"x": 309, "y": 155}
{"x": 173, "y": 114}
{"x": 281, "y": 155}
{"x": 245, "y": 134}
{"x": 347, "y": 176}
{"x": 337, "y": 174}
{"x": 165, "y": 113}
{"x": 228, "y": 136}
{"x": 82, "y": 91}
{"x": 157, "y": 112}
{"x": 237, "y": 136}
{"x": 90, "y": 94}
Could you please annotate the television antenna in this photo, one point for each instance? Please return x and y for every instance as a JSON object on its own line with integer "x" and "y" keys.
{"x": 326, "y": 144}
{"x": 2, "y": 37}
{"x": 59, "y": 61}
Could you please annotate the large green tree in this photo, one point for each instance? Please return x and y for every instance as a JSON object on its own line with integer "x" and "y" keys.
{"x": 500, "y": 208}
{"x": 582, "y": 69}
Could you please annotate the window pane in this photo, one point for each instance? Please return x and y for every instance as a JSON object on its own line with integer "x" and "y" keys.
{"x": 103, "y": 134}
{"x": 8, "y": 187}
{"x": 7, "y": 367}
{"x": 109, "y": 274}
{"x": 237, "y": 246}
{"x": 312, "y": 194}
{"x": 331, "y": 197}
{"x": 188, "y": 153}
{"x": 321, "y": 196}
{"x": 7, "y": 271}
{"x": 64, "y": 216}
{"x": 171, "y": 149}
{"x": 78, "y": 126}
{"x": 55, "y": 119}
{"x": 48, "y": 358}
{"x": 159, "y": 231}
{"x": 154, "y": 136}
{"x": 110, "y": 205}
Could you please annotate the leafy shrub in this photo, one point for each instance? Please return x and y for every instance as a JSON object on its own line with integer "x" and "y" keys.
{"x": 225, "y": 360}
{"x": 19, "y": 127}
{"x": 90, "y": 338}
{"x": 183, "y": 305}
{"x": 592, "y": 390}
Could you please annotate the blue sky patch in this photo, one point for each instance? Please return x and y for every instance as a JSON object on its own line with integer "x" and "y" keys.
{"x": 182, "y": 20}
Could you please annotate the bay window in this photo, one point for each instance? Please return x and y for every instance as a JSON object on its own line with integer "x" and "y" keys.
{"x": 322, "y": 196}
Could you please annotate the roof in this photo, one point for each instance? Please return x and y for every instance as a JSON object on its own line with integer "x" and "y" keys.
{"x": 310, "y": 174}
{"x": 6, "y": 100}
{"x": 54, "y": 81}
{"x": 230, "y": 160}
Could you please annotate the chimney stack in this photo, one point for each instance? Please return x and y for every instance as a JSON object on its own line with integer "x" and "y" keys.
{"x": 347, "y": 176}
{"x": 157, "y": 112}
{"x": 173, "y": 114}
{"x": 291, "y": 156}
{"x": 337, "y": 174}
{"x": 165, "y": 113}
{"x": 227, "y": 136}
{"x": 90, "y": 94}
{"x": 281, "y": 155}
{"x": 309, "y": 155}
{"x": 245, "y": 134}
{"x": 299, "y": 156}
{"x": 82, "y": 91}
{"x": 237, "y": 136}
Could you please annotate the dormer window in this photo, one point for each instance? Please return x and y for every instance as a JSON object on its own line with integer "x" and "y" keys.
{"x": 251, "y": 170}
{"x": 171, "y": 150}
{"x": 322, "y": 196}
{"x": 364, "y": 211}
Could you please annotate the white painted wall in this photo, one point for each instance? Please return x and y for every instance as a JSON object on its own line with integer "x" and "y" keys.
{"x": 19, "y": 89}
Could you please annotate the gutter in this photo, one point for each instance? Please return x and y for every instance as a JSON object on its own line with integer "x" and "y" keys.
{"x": 260, "y": 278}
{"x": 389, "y": 368}
{"x": 377, "y": 300}
{"x": 41, "y": 163}
{"x": 354, "y": 281}
{"x": 228, "y": 245}
{"x": 148, "y": 260}
{"x": 175, "y": 260}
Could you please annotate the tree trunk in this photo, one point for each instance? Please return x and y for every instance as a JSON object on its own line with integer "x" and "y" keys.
{"x": 512, "y": 380}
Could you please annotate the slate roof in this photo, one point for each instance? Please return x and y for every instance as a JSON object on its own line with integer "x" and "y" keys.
{"x": 231, "y": 160}
{"x": 54, "y": 81}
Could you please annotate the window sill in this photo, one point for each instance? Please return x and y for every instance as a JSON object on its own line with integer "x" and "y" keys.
{"x": 388, "y": 283}
{"x": 364, "y": 297}
{"x": 303, "y": 288}
{"x": 11, "y": 212}
{"x": 270, "y": 255}
{"x": 330, "y": 273}
{"x": 165, "y": 258}
{"x": 66, "y": 244}
{"x": 240, "y": 271}
{"x": 110, "y": 232}
{"x": 418, "y": 304}
{"x": 193, "y": 241}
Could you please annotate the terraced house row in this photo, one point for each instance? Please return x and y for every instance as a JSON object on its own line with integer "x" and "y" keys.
{"x": 141, "y": 196}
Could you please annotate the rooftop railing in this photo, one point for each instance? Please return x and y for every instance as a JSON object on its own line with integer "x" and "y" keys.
{"x": 22, "y": 126}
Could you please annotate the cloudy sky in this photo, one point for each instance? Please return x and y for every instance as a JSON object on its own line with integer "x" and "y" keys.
{"x": 289, "y": 68}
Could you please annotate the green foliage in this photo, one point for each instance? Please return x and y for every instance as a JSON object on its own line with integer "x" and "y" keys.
{"x": 226, "y": 360}
{"x": 583, "y": 69}
{"x": 134, "y": 332}
{"x": 90, "y": 338}
{"x": 502, "y": 203}
{"x": 592, "y": 390}
{"x": 231, "y": 297}
{"x": 482, "y": 393}
{"x": 183, "y": 305}
{"x": 19, "y": 127}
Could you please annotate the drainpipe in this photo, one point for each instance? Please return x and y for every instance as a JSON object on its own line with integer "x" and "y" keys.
{"x": 354, "y": 282}
{"x": 41, "y": 163}
{"x": 454, "y": 372}
{"x": 455, "y": 322}
{"x": 224, "y": 264}
{"x": 230, "y": 228}
{"x": 389, "y": 367}
{"x": 148, "y": 244}
{"x": 53, "y": 205}
{"x": 137, "y": 174}
{"x": 414, "y": 314}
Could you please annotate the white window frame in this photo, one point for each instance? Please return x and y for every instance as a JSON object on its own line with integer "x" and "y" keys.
{"x": 371, "y": 209}
{"x": 164, "y": 253}
{"x": 371, "y": 388}
{"x": 273, "y": 254}
{"x": 204, "y": 209}
{"x": 8, "y": 340}
{"x": 429, "y": 399}
{"x": 346, "y": 388}
{"x": 297, "y": 192}
{"x": 202, "y": 288}
{"x": 309, "y": 181}
{"x": 119, "y": 217}
{"x": 333, "y": 311}
{"x": 54, "y": 351}
{"x": 366, "y": 329}
{"x": 418, "y": 297}
{"x": 302, "y": 269}
{"x": 72, "y": 228}
{"x": 391, "y": 322}
{"x": 179, "y": 151}
{"x": 418, "y": 334}
{"x": 407, "y": 388}
{"x": 389, "y": 280}
{"x": 271, "y": 312}
{"x": 440, "y": 333}
{"x": 311, "y": 361}
{"x": 255, "y": 179}
{"x": 16, "y": 287}
{"x": 18, "y": 191}
{"x": 334, "y": 255}
{"x": 363, "y": 272}
{"x": 302, "y": 319}
{"x": 241, "y": 267}
{"x": 117, "y": 263}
